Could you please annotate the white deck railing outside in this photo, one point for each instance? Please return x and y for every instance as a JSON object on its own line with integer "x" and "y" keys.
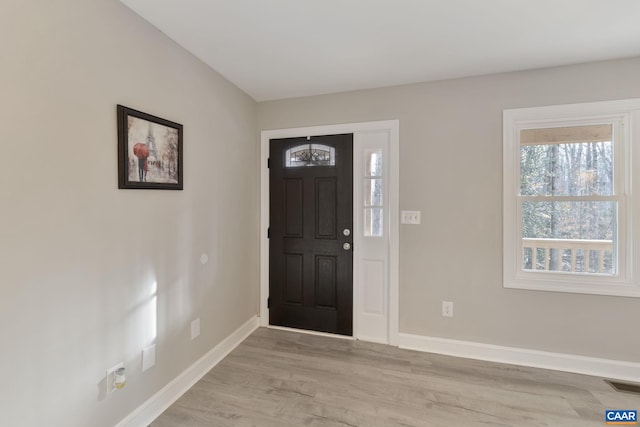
{"x": 586, "y": 256}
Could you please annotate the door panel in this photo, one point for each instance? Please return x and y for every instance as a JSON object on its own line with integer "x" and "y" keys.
{"x": 293, "y": 278}
{"x": 293, "y": 208}
{"x": 326, "y": 208}
{"x": 326, "y": 274}
{"x": 311, "y": 202}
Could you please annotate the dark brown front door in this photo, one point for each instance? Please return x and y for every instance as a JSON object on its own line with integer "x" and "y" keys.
{"x": 310, "y": 239}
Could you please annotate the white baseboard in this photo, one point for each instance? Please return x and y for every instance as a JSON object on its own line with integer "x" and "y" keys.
{"x": 606, "y": 368}
{"x": 159, "y": 402}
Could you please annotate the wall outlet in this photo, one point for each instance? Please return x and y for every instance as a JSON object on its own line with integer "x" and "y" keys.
{"x": 148, "y": 357}
{"x": 195, "y": 328}
{"x": 447, "y": 309}
{"x": 111, "y": 387}
{"x": 410, "y": 217}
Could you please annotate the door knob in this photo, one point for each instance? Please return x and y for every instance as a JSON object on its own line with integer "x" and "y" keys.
{"x": 346, "y": 232}
{"x": 346, "y": 246}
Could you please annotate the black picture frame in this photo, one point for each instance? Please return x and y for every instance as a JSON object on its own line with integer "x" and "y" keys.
{"x": 149, "y": 151}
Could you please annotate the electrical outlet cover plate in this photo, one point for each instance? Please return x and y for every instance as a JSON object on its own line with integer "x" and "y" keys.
{"x": 111, "y": 376}
{"x": 195, "y": 328}
{"x": 447, "y": 308}
{"x": 148, "y": 357}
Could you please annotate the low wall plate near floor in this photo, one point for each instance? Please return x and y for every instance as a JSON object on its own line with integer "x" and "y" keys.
{"x": 159, "y": 402}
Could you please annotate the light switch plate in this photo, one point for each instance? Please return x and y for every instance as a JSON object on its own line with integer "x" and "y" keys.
{"x": 410, "y": 217}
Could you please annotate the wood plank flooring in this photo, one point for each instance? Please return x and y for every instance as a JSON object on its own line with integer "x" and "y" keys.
{"x": 281, "y": 378}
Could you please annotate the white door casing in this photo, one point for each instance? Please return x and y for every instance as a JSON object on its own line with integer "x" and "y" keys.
{"x": 375, "y": 266}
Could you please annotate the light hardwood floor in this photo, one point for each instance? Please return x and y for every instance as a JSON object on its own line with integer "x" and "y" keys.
{"x": 280, "y": 378}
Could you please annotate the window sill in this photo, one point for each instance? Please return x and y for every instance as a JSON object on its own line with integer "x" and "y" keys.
{"x": 616, "y": 289}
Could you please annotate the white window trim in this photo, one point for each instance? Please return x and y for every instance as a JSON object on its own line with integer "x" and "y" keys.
{"x": 627, "y": 156}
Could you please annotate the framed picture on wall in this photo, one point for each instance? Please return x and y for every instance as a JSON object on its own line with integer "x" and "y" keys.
{"x": 149, "y": 151}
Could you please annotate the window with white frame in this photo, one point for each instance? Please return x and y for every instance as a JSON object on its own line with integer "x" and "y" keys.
{"x": 373, "y": 192}
{"x": 568, "y": 206}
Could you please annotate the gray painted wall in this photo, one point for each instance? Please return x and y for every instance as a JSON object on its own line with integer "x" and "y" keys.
{"x": 451, "y": 170}
{"x": 79, "y": 259}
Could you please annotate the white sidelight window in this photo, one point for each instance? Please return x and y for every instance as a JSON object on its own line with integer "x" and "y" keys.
{"x": 568, "y": 205}
{"x": 373, "y": 191}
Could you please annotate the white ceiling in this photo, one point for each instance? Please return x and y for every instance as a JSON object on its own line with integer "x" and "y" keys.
{"x": 276, "y": 49}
